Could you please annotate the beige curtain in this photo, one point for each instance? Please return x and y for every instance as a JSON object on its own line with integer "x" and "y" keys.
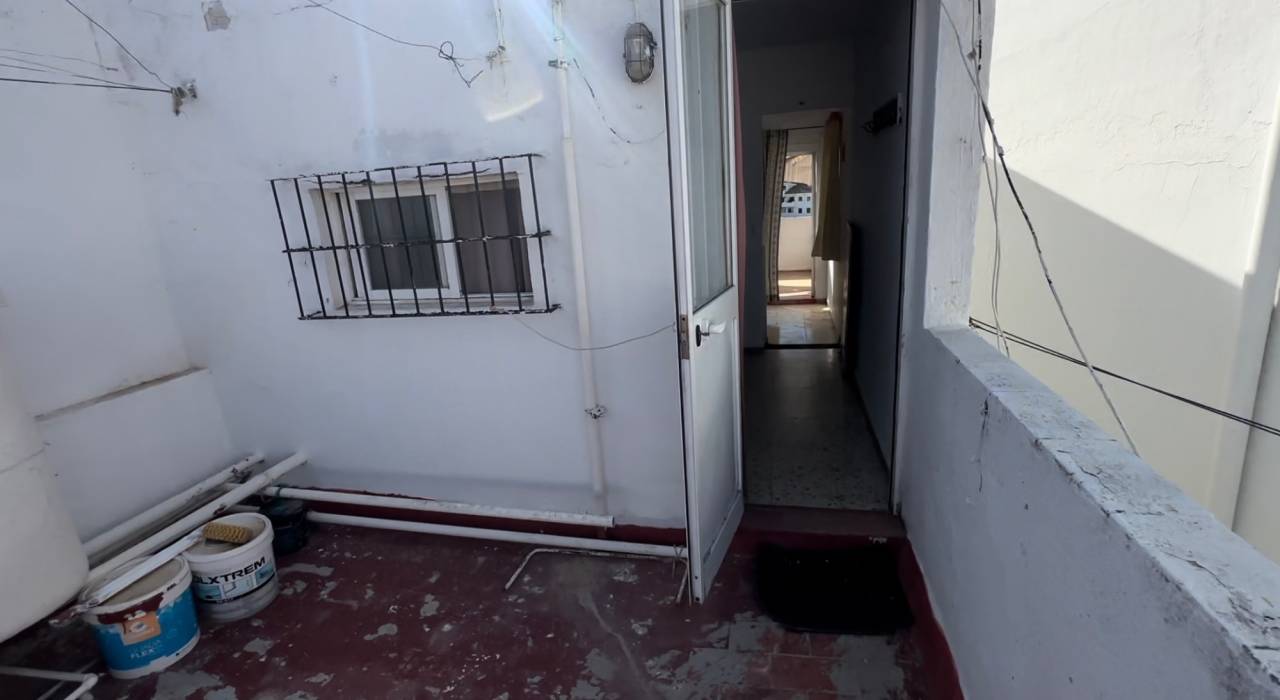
{"x": 775, "y": 167}
{"x": 830, "y": 227}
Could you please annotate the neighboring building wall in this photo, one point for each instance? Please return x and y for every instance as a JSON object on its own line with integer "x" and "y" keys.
{"x": 1139, "y": 136}
{"x": 478, "y": 409}
{"x": 1058, "y": 564}
{"x": 84, "y": 304}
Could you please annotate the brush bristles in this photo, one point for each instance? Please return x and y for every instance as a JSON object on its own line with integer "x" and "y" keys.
{"x": 225, "y": 532}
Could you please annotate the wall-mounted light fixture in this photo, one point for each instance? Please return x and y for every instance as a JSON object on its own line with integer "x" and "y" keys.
{"x": 638, "y": 50}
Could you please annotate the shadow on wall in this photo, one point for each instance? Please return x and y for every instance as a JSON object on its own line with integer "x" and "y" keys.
{"x": 1139, "y": 310}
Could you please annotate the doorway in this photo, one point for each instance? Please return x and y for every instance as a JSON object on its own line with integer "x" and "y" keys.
{"x": 798, "y": 314}
{"x": 811, "y": 423}
{"x": 826, "y": 169}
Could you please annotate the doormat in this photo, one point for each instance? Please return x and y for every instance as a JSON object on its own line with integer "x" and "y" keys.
{"x": 853, "y": 590}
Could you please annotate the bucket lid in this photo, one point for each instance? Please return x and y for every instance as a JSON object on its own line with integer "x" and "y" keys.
{"x": 144, "y": 587}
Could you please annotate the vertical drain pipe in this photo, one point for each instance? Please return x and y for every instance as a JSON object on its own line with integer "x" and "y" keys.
{"x": 590, "y": 400}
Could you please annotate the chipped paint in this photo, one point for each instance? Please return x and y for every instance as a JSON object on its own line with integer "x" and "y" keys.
{"x": 430, "y": 606}
{"x": 387, "y": 630}
{"x": 302, "y": 568}
{"x": 215, "y": 16}
{"x": 179, "y": 685}
{"x": 320, "y": 678}
{"x": 259, "y": 646}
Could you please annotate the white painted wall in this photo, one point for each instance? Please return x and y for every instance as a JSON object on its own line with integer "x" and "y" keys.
{"x": 1059, "y": 565}
{"x": 84, "y": 303}
{"x": 1138, "y": 133}
{"x": 475, "y": 409}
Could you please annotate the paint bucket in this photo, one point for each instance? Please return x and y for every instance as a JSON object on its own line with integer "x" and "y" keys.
{"x": 149, "y": 625}
{"x": 232, "y": 581}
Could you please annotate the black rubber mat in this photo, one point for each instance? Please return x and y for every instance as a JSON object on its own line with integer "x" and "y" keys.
{"x": 835, "y": 591}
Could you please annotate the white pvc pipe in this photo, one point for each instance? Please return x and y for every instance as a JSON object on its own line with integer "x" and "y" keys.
{"x": 590, "y": 398}
{"x": 479, "y": 533}
{"x": 198, "y": 516}
{"x": 432, "y": 506}
{"x": 86, "y": 680}
{"x": 131, "y": 527}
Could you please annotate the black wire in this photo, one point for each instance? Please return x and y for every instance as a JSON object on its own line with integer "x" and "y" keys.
{"x": 988, "y": 328}
{"x": 96, "y": 85}
{"x": 444, "y": 50}
{"x": 119, "y": 43}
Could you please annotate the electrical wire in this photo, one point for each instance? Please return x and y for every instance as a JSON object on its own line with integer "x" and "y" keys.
{"x": 553, "y": 341}
{"x": 38, "y": 67}
{"x": 1031, "y": 344}
{"x": 993, "y": 190}
{"x": 96, "y": 85}
{"x": 444, "y": 50}
{"x": 1035, "y": 238}
{"x": 604, "y": 117}
{"x": 119, "y": 43}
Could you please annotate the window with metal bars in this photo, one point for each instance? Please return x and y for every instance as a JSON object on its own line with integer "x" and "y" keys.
{"x": 440, "y": 239}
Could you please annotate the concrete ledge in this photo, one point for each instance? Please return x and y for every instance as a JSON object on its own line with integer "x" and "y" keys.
{"x": 1061, "y": 564}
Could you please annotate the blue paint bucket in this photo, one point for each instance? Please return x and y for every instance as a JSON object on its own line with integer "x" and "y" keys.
{"x": 148, "y": 626}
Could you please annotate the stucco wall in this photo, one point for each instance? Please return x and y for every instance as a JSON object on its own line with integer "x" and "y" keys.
{"x": 1138, "y": 133}
{"x": 477, "y": 409}
{"x": 84, "y": 303}
{"x": 1058, "y": 563}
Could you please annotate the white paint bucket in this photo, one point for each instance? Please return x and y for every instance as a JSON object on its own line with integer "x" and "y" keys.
{"x": 149, "y": 625}
{"x": 233, "y": 582}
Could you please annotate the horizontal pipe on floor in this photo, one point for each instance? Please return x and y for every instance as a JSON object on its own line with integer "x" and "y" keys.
{"x": 197, "y": 517}
{"x": 479, "y": 533}
{"x": 86, "y": 680}
{"x": 433, "y": 506}
{"x": 131, "y": 527}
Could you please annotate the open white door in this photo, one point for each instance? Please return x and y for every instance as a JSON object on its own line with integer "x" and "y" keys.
{"x": 700, "y": 124}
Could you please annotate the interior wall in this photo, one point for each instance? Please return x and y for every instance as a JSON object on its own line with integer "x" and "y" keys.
{"x": 478, "y": 409}
{"x": 776, "y": 80}
{"x": 877, "y": 172}
{"x": 85, "y": 310}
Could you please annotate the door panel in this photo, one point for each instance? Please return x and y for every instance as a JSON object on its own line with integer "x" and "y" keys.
{"x": 706, "y": 276}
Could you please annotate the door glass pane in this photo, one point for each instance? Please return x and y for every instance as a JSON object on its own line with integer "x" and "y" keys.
{"x": 390, "y": 268}
{"x": 705, "y": 119}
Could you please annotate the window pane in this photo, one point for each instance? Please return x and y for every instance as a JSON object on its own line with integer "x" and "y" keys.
{"x": 508, "y": 260}
{"x": 704, "y": 121}
{"x": 383, "y": 215}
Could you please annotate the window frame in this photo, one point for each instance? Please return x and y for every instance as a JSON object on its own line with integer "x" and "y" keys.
{"x": 341, "y": 225}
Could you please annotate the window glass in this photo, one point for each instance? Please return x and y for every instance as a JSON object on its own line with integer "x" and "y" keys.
{"x": 499, "y": 209}
{"x": 402, "y": 267}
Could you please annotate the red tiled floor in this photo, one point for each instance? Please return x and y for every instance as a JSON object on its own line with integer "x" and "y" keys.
{"x": 374, "y": 614}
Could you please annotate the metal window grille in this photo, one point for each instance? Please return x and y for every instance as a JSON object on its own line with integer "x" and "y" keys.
{"x": 456, "y": 238}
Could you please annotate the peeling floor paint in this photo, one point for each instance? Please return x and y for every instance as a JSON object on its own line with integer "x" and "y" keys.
{"x": 387, "y": 630}
{"x": 585, "y": 633}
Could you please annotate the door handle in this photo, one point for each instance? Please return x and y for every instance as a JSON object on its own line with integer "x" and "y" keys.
{"x": 712, "y": 329}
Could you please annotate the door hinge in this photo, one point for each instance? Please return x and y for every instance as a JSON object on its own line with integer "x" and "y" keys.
{"x": 682, "y": 331}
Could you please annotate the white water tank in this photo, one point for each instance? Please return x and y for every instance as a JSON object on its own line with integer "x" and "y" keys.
{"x": 42, "y": 563}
